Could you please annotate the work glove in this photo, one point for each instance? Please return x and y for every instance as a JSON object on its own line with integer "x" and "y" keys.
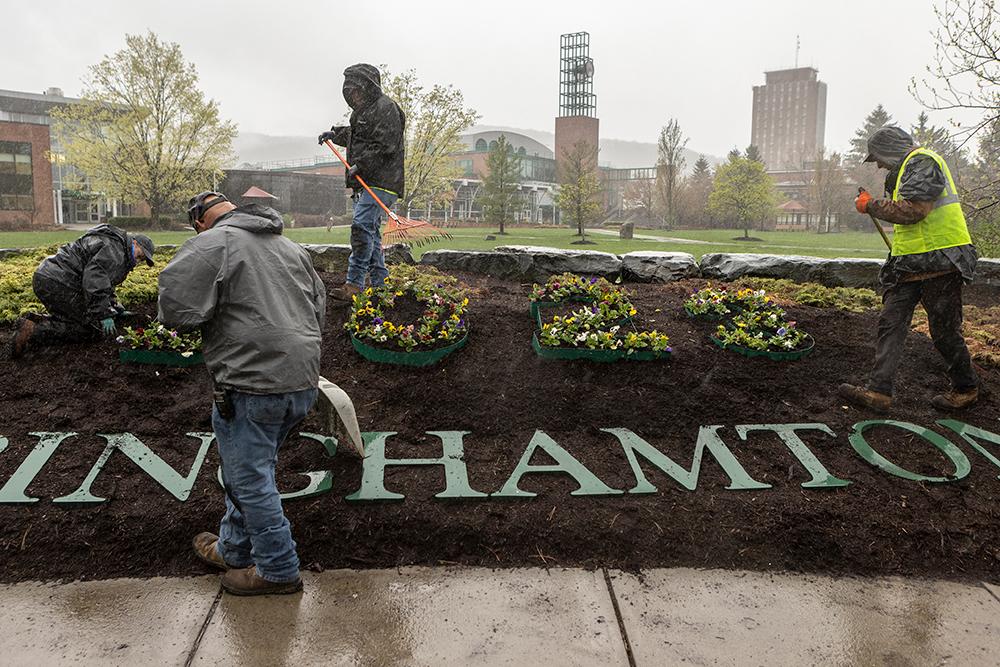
{"x": 326, "y": 136}
{"x": 353, "y": 171}
{"x": 861, "y": 203}
{"x": 108, "y": 327}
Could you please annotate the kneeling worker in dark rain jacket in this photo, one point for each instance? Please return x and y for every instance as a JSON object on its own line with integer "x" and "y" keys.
{"x": 260, "y": 307}
{"x": 375, "y": 151}
{"x": 932, "y": 256}
{"x": 77, "y": 287}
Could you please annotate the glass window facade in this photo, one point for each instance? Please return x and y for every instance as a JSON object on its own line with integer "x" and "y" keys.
{"x": 16, "y": 183}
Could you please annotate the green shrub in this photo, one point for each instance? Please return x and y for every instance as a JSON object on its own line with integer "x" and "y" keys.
{"x": 17, "y": 297}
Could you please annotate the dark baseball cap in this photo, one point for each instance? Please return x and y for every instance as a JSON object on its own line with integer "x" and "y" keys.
{"x": 147, "y": 246}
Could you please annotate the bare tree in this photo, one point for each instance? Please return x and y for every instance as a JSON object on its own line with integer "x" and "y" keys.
{"x": 965, "y": 73}
{"x": 640, "y": 198}
{"x": 828, "y": 189}
{"x": 579, "y": 196}
{"x": 669, "y": 167}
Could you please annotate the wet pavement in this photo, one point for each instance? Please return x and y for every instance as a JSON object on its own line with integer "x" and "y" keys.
{"x": 469, "y": 616}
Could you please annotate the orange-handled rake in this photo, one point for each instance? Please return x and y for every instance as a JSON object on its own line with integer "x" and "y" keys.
{"x": 398, "y": 229}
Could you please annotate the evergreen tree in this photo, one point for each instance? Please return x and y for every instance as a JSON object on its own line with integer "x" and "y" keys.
{"x": 879, "y": 117}
{"x": 939, "y": 140}
{"x": 866, "y": 175}
{"x": 697, "y": 188}
{"x": 753, "y": 154}
{"x": 981, "y": 194}
{"x": 702, "y": 169}
{"x": 734, "y": 155}
{"x": 500, "y": 184}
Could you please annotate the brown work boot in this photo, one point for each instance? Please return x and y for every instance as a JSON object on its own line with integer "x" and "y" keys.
{"x": 18, "y": 343}
{"x": 956, "y": 400}
{"x": 205, "y": 549}
{"x": 865, "y": 397}
{"x": 344, "y": 294}
{"x": 246, "y": 581}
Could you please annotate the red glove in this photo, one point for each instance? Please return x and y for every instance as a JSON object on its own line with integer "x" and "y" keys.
{"x": 861, "y": 203}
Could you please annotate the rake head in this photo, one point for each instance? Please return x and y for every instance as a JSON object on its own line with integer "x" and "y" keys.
{"x": 413, "y": 232}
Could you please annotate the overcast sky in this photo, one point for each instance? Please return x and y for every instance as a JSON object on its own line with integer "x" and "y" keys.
{"x": 275, "y": 67}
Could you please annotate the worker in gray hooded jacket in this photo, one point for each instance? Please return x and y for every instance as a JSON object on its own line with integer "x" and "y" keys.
{"x": 261, "y": 308}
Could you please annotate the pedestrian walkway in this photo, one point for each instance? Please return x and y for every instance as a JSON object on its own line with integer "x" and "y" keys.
{"x": 803, "y": 250}
{"x": 470, "y": 616}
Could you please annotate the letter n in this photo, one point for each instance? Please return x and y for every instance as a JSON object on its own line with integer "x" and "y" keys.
{"x": 151, "y": 464}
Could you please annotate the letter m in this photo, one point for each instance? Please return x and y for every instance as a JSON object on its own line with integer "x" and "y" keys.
{"x": 708, "y": 439}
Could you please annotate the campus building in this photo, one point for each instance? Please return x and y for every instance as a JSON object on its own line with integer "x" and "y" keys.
{"x": 789, "y": 117}
{"x": 26, "y": 173}
{"x": 38, "y": 188}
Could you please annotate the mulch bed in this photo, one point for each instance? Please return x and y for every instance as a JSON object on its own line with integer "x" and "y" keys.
{"x": 501, "y": 392}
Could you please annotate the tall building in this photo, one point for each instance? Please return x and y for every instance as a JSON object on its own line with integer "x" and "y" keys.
{"x": 789, "y": 117}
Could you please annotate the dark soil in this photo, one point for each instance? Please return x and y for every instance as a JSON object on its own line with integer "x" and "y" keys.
{"x": 499, "y": 391}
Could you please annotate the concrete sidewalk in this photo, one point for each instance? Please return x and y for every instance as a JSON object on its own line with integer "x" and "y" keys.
{"x": 468, "y": 616}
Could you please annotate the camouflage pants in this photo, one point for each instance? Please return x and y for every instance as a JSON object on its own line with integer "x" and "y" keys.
{"x": 67, "y": 321}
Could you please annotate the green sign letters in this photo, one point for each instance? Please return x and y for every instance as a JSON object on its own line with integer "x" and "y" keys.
{"x": 638, "y": 452}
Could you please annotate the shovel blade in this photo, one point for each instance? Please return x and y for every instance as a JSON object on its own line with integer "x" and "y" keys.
{"x": 345, "y": 410}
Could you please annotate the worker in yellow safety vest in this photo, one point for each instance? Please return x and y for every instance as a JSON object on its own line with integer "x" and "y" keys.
{"x": 932, "y": 257}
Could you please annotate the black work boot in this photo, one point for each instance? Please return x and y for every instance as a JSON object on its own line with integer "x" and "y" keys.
{"x": 246, "y": 581}
{"x": 18, "y": 343}
{"x": 865, "y": 397}
{"x": 956, "y": 400}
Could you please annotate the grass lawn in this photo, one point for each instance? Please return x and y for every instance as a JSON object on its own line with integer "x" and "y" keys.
{"x": 848, "y": 244}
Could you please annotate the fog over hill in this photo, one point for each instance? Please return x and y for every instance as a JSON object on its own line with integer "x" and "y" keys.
{"x": 254, "y": 148}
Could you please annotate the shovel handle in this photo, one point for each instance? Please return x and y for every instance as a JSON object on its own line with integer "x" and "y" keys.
{"x": 888, "y": 243}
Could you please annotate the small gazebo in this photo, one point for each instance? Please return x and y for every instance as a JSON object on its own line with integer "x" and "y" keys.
{"x": 792, "y": 216}
{"x": 257, "y": 196}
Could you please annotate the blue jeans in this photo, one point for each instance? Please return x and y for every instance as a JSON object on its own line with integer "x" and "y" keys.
{"x": 367, "y": 257}
{"x": 254, "y": 530}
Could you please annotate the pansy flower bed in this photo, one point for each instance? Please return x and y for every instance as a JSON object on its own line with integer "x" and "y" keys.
{"x": 601, "y": 329}
{"x": 157, "y": 344}
{"x": 416, "y": 319}
{"x": 567, "y": 288}
{"x": 718, "y": 304}
{"x": 764, "y": 332}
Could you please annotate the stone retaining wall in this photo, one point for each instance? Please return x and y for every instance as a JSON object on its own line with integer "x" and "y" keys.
{"x": 535, "y": 264}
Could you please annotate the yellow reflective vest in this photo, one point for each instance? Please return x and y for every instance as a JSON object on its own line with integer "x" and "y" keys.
{"x": 944, "y": 226}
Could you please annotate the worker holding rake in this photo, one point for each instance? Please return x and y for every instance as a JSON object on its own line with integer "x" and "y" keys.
{"x": 375, "y": 149}
{"x": 931, "y": 257}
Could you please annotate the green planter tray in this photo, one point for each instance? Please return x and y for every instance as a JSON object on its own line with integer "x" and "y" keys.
{"x": 418, "y": 358}
{"x": 791, "y": 355}
{"x": 536, "y": 305}
{"x": 605, "y": 356}
{"x": 160, "y": 358}
{"x": 706, "y": 317}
